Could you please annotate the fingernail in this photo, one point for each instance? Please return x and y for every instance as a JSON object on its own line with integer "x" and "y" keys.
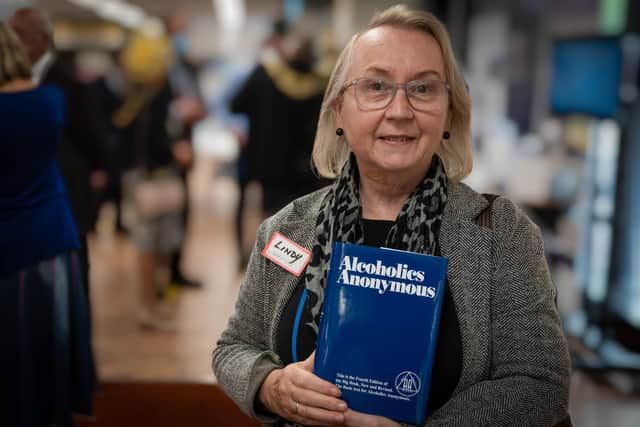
{"x": 342, "y": 406}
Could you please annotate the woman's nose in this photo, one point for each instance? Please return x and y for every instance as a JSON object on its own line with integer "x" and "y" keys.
{"x": 399, "y": 108}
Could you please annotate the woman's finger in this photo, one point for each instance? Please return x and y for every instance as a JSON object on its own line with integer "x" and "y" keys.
{"x": 302, "y": 378}
{"x": 319, "y": 400}
{"x": 359, "y": 419}
{"x": 310, "y": 415}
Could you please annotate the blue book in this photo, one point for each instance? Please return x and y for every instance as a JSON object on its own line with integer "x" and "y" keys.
{"x": 379, "y": 328}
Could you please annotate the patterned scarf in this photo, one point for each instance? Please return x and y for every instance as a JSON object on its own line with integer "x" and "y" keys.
{"x": 416, "y": 228}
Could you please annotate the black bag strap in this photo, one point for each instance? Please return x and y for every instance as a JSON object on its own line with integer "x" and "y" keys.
{"x": 566, "y": 422}
{"x": 484, "y": 218}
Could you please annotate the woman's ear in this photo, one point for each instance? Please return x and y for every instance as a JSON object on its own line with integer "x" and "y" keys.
{"x": 337, "y": 109}
{"x": 447, "y": 122}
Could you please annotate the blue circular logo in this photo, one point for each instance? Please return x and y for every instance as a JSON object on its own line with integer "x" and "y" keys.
{"x": 407, "y": 383}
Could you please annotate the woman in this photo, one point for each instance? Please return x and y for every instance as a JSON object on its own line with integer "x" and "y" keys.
{"x": 394, "y": 132}
{"x": 143, "y": 118}
{"x": 48, "y": 369}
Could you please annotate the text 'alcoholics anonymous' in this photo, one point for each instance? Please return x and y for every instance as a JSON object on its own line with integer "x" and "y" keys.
{"x": 358, "y": 273}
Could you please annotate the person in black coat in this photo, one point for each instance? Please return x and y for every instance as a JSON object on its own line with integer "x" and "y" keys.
{"x": 282, "y": 99}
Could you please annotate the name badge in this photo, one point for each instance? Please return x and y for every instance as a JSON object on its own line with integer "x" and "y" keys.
{"x": 287, "y": 254}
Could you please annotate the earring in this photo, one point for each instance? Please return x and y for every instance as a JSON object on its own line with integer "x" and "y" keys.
{"x": 446, "y": 134}
{"x": 339, "y": 131}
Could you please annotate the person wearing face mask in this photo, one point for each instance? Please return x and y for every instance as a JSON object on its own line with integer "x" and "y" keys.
{"x": 394, "y": 134}
{"x": 281, "y": 99}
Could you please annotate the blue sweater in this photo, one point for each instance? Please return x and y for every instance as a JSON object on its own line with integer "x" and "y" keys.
{"x": 35, "y": 218}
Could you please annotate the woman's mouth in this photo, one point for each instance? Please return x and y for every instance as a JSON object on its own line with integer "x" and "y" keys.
{"x": 398, "y": 139}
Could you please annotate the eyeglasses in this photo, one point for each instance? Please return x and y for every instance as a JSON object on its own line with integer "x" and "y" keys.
{"x": 425, "y": 95}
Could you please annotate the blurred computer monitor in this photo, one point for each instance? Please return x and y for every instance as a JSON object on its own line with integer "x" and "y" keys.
{"x": 585, "y": 76}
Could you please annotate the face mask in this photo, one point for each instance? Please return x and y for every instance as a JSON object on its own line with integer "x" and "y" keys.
{"x": 181, "y": 44}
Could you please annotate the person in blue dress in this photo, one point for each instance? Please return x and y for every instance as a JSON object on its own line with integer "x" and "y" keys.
{"x": 47, "y": 364}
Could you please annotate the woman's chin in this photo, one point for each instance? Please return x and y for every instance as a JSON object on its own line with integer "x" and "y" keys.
{"x": 397, "y": 164}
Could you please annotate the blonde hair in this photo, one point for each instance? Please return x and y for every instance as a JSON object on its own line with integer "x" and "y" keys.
{"x": 331, "y": 152}
{"x": 14, "y": 61}
{"x": 146, "y": 61}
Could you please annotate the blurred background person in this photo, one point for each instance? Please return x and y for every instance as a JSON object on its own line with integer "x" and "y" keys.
{"x": 82, "y": 146}
{"x": 282, "y": 99}
{"x": 48, "y": 369}
{"x": 111, "y": 87}
{"x": 272, "y": 50}
{"x": 187, "y": 109}
{"x": 143, "y": 117}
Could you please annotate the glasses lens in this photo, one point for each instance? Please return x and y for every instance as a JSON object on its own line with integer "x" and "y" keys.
{"x": 373, "y": 93}
{"x": 426, "y": 94}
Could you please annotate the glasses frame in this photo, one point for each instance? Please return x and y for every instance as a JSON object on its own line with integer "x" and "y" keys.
{"x": 395, "y": 86}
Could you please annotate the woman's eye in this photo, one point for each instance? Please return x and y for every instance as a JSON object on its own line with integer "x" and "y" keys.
{"x": 376, "y": 86}
{"x": 424, "y": 88}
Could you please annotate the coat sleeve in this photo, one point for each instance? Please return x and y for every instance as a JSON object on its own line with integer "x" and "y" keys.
{"x": 528, "y": 383}
{"x": 84, "y": 131}
{"x": 242, "y": 358}
{"x": 244, "y": 100}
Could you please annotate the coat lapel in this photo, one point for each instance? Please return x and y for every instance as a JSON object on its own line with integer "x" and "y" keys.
{"x": 468, "y": 249}
{"x": 297, "y": 228}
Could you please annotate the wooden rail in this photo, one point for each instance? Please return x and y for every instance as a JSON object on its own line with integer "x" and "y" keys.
{"x": 137, "y": 404}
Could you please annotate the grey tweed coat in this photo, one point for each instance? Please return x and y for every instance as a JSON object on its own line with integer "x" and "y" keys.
{"x": 515, "y": 362}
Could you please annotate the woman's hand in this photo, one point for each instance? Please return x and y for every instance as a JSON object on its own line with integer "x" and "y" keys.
{"x": 359, "y": 419}
{"x": 296, "y": 394}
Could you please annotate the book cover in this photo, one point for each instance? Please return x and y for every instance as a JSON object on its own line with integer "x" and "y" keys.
{"x": 378, "y": 328}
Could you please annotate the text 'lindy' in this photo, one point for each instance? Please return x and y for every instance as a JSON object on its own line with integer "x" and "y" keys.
{"x": 287, "y": 253}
